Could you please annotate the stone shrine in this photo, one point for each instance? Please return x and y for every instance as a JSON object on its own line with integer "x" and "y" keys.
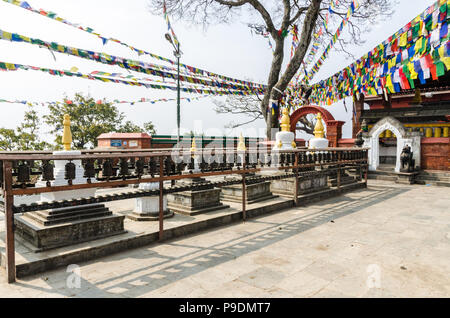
{"x": 199, "y": 201}
{"x": 53, "y": 228}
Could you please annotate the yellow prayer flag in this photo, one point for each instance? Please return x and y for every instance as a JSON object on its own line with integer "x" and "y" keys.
{"x": 10, "y": 66}
{"x": 389, "y": 83}
{"x": 418, "y": 45}
{"x": 446, "y": 61}
{"x": 412, "y": 71}
{"x": 7, "y": 35}
{"x": 441, "y": 51}
{"x": 404, "y": 39}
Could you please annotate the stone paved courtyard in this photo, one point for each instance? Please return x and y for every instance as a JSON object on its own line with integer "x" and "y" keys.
{"x": 385, "y": 241}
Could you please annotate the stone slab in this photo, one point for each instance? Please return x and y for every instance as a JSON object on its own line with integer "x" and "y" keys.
{"x": 195, "y": 202}
{"x": 44, "y": 238}
{"x": 255, "y": 192}
{"x": 138, "y": 236}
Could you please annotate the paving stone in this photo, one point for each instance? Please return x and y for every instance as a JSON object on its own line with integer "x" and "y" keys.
{"x": 399, "y": 232}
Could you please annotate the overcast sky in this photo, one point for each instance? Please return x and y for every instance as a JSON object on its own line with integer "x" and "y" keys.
{"x": 229, "y": 50}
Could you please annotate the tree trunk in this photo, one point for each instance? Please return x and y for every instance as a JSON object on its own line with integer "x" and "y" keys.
{"x": 277, "y": 61}
{"x": 274, "y": 77}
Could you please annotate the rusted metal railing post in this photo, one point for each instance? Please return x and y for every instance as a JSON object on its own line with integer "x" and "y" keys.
{"x": 9, "y": 222}
{"x": 244, "y": 192}
{"x": 161, "y": 198}
{"x": 296, "y": 179}
{"x": 339, "y": 170}
{"x": 366, "y": 166}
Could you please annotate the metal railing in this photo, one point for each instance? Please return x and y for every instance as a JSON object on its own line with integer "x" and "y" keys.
{"x": 115, "y": 168}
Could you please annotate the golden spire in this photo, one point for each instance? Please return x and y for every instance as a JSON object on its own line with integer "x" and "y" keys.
{"x": 319, "y": 131}
{"x": 285, "y": 121}
{"x": 193, "y": 146}
{"x": 241, "y": 144}
{"x": 67, "y": 134}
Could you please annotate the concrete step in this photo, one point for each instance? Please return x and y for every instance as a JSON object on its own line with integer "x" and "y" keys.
{"x": 432, "y": 178}
{"x": 386, "y": 178}
{"x": 378, "y": 176}
{"x": 74, "y": 208}
{"x": 46, "y": 215}
{"x": 433, "y": 183}
{"x": 434, "y": 173}
{"x": 36, "y": 217}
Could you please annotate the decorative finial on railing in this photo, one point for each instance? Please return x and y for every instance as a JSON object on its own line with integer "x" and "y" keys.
{"x": 67, "y": 134}
{"x": 241, "y": 145}
{"x": 285, "y": 121}
{"x": 319, "y": 130}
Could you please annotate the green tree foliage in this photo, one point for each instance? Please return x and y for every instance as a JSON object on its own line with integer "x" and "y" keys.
{"x": 89, "y": 119}
{"x": 24, "y": 137}
{"x": 130, "y": 127}
{"x": 8, "y": 139}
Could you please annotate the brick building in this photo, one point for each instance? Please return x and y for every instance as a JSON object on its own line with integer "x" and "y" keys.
{"x": 124, "y": 141}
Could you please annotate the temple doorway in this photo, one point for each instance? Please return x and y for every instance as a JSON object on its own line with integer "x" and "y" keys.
{"x": 387, "y": 143}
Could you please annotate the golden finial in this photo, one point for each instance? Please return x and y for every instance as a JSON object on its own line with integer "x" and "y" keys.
{"x": 241, "y": 144}
{"x": 193, "y": 146}
{"x": 67, "y": 134}
{"x": 285, "y": 121}
{"x": 279, "y": 144}
{"x": 319, "y": 131}
{"x": 294, "y": 144}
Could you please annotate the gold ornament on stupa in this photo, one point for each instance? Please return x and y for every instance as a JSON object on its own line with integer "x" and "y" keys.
{"x": 193, "y": 146}
{"x": 285, "y": 121}
{"x": 67, "y": 134}
{"x": 241, "y": 144}
{"x": 319, "y": 130}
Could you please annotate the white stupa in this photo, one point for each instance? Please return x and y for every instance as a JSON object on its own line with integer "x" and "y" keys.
{"x": 318, "y": 142}
{"x": 59, "y": 172}
{"x": 285, "y": 139}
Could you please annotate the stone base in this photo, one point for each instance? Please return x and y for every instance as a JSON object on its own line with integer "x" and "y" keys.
{"x": 306, "y": 184}
{"x": 67, "y": 226}
{"x": 153, "y": 216}
{"x": 147, "y": 208}
{"x": 195, "y": 202}
{"x": 345, "y": 179}
{"x": 254, "y": 192}
{"x": 407, "y": 177}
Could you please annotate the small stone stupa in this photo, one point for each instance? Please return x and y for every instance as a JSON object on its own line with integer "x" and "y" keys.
{"x": 319, "y": 141}
{"x": 73, "y": 224}
{"x": 285, "y": 139}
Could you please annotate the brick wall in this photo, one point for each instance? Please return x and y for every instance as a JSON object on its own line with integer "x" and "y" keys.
{"x": 435, "y": 154}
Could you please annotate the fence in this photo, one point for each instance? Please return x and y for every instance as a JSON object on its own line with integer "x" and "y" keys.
{"x": 125, "y": 167}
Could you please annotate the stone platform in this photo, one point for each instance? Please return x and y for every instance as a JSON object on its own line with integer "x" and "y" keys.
{"x": 138, "y": 234}
{"x": 255, "y": 192}
{"x": 54, "y": 228}
{"x": 312, "y": 182}
{"x": 195, "y": 202}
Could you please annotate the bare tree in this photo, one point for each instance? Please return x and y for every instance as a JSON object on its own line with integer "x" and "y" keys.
{"x": 240, "y": 105}
{"x": 250, "y": 106}
{"x": 279, "y": 16}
